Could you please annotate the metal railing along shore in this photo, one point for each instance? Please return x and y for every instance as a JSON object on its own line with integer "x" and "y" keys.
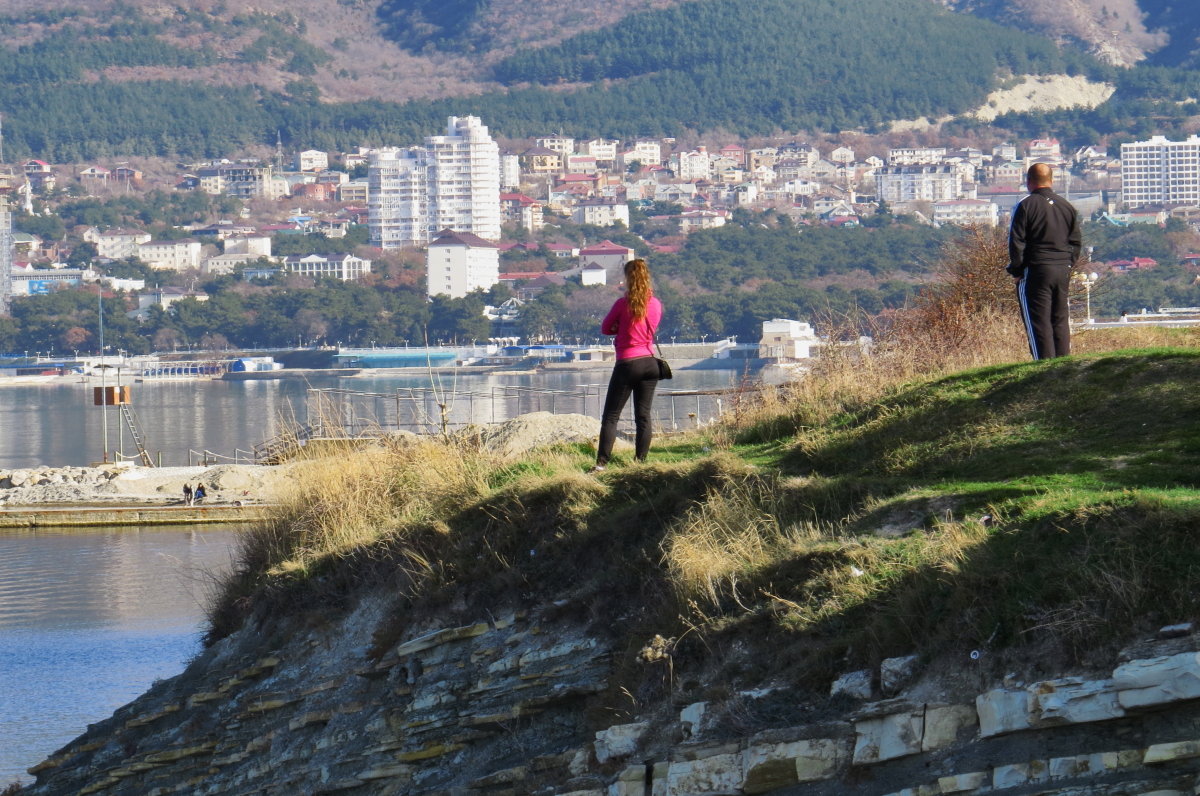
{"x": 337, "y": 413}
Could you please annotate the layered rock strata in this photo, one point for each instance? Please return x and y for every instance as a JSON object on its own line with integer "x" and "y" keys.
{"x": 522, "y": 704}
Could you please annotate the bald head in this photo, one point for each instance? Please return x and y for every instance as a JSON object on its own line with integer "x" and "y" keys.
{"x": 1040, "y": 175}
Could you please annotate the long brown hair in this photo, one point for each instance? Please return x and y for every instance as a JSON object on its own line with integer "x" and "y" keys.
{"x": 637, "y": 287}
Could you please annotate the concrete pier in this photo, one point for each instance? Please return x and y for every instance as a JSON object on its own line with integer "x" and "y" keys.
{"x": 95, "y": 516}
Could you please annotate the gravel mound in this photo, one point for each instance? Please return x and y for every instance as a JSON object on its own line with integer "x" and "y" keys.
{"x": 534, "y": 430}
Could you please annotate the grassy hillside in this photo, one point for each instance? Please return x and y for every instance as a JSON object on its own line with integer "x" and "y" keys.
{"x": 1017, "y": 506}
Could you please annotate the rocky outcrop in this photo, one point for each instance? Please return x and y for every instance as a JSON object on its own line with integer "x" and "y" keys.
{"x": 519, "y": 703}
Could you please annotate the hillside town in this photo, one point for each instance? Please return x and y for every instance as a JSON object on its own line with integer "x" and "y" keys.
{"x": 480, "y": 213}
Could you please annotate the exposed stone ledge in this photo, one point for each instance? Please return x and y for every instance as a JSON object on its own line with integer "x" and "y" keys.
{"x": 500, "y": 707}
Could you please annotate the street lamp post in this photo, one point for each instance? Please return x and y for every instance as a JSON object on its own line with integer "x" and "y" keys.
{"x": 1088, "y": 281}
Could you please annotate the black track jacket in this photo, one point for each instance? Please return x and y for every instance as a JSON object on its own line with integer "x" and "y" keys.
{"x": 1045, "y": 231}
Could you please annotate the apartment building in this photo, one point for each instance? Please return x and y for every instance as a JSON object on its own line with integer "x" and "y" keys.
{"x": 928, "y": 182}
{"x": 601, "y": 212}
{"x": 911, "y": 156}
{"x": 116, "y": 244}
{"x": 170, "y": 255}
{"x": 1161, "y": 172}
{"x": 966, "y": 212}
{"x": 644, "y": 153}
{"x": 452, "y": 182}
{"x": 693, "y": 165}
{"x": 311, "y": 160}
{"x": 459, "y": 263}
{"x": 345, "y": 267}
{"x": 245, "y": 180}
{"x": 464, "y": 179}
{"x": 398, "y": 197}
{"x": 556, "y": 143}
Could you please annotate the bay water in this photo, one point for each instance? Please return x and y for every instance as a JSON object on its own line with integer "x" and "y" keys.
{"x": 89, "y": 619}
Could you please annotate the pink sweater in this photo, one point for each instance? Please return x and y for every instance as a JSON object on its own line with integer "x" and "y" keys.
{"x": 634, "y": 338}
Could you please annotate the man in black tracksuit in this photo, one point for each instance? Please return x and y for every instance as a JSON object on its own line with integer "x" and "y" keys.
{"x": 1044, "y": 244}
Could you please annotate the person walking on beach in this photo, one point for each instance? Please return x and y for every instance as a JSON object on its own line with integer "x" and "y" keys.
{"x": 187, "y": 494}
{"x": 1044, "y": 244}
{"x": 634, "y": 319}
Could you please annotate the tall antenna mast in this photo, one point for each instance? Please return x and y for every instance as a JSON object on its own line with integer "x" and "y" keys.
{"x": 1, "y": 137}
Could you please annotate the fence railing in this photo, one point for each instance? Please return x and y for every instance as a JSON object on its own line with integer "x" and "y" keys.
{"x": 205, "y": 458}
{"x": 340, "y": 413}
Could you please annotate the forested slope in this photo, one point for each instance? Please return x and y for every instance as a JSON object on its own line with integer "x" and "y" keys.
{"x": 117, "y": 79}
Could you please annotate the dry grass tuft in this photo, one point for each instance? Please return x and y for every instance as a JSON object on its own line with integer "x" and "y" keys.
{"x": 736, "y": 530}
{"x": 339, "y": 504}
{"x": 1134, "y": 335}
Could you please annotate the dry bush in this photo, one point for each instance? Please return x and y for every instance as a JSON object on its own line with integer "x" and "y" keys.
{"x": 338, "y": 504}
{"x": 966, "y": 316}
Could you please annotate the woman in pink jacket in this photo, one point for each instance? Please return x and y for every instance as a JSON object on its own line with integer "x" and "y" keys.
{"x": 633, "y": 319}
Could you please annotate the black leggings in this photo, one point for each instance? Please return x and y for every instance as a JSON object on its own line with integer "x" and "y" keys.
{"x": 638, "y": 376}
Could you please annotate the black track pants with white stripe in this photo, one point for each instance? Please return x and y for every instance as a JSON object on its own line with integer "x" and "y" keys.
{"x": 1043, "y": 295}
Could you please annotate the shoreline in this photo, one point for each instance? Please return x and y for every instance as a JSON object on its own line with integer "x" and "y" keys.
{"x": 368, "y": 372}
{"x": 97, "y": 515}
{"x": 132, "y": 495}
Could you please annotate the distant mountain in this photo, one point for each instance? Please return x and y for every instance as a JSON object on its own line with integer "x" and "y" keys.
{"x": 1122, "y": 32}
{"x": 98, "y": 78}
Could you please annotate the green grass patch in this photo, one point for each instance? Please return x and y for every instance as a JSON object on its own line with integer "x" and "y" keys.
{"x": 1049, "y": 503}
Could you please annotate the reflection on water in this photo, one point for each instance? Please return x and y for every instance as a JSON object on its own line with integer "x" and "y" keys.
{"x": 57, "y": 425}
{"x": 88, "y": 621}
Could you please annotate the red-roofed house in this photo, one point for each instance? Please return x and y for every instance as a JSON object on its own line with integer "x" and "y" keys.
{"x": 605, "y": 254}
{"x": 734, "y": 152}
{"x": 1133, "y": 264}
{"x": 576, "y": 184}
{"x": 562, "y": 249}
{"x": 40, "y": 175}
{"x": 593, "y": 274}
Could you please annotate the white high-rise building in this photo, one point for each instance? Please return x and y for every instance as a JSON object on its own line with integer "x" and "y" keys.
{"x": 1161, "y": 172}
{"x": 453, "y": 182}
{"x": 6, "y": 257}
{"x": 398, "y": 197}
{"x": 464, "y": 179}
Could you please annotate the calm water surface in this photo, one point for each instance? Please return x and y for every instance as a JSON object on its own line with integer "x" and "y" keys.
{"x": 89, "y": 620}
{"x": 57, "y": 424}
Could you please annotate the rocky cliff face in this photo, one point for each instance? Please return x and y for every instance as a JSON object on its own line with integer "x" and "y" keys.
{"x": 1113, "y": 30}
{"x": 523, "y": 702}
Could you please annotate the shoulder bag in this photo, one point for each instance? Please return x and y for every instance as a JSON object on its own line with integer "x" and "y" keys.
{"x": 664, "y": 369}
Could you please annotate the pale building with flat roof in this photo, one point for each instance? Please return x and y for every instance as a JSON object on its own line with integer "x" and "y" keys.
{"x": 1161, "y": 172}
